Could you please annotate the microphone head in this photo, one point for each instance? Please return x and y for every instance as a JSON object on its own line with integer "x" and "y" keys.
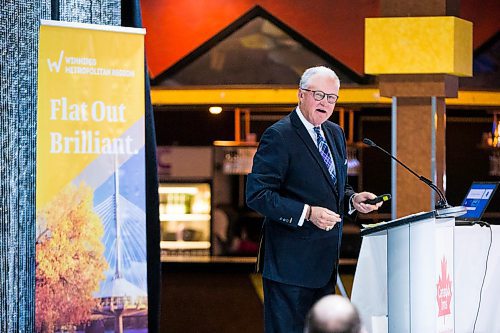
{"x": 369, "y": 142}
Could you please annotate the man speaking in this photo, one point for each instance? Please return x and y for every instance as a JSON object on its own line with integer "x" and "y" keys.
{"x": 299, "y": 183}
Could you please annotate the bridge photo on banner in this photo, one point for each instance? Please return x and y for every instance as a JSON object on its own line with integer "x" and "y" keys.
{"x": 91, "y": 273}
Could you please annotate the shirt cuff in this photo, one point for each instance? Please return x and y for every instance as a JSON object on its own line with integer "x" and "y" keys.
{"x": 303, "y": 216}
{"x": 351, "y": 206}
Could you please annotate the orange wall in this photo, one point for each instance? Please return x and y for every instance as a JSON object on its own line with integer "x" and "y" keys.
{"x": 485, "y": 17}
{"x": 175, "y": 28}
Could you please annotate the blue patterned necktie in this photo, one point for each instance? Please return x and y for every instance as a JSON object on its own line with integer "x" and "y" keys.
{"x": 325, "y": 153}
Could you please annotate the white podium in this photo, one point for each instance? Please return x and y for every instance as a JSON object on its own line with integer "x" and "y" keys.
{"x": 416, "y": 269}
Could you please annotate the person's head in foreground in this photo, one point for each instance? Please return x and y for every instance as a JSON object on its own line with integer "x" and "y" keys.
{"x": 333, "y": 314}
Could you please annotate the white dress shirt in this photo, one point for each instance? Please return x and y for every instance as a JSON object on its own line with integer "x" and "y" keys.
{"x": 314, "y": 137}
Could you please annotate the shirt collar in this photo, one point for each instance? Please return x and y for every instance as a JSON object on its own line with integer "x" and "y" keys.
{"x": 307, "y": 124}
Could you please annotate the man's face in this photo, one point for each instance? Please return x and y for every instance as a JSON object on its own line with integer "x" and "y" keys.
{"x": 317, "y": 112}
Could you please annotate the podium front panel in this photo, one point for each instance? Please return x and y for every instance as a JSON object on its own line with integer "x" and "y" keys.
{"x": 444, "y": 276}
{"x": 423, "y": 286}
{"x": 398, "y": 277}
{"x": 469, "y": 259}
{"x": 431, "y": 275}
{"x": 420, "y": 276}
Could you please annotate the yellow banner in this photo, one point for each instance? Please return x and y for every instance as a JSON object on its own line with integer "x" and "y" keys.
{"x": 91, "y": 242}
{"x": 91, "y": 90}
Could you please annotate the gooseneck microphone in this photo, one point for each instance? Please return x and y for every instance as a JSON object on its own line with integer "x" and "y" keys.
{"x": 442, "y": 202}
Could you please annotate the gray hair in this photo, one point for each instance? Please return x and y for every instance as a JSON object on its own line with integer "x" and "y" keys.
{"x": 310, "y": 72}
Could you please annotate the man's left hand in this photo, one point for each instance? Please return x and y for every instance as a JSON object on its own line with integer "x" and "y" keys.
{"x": 361, "y": 207}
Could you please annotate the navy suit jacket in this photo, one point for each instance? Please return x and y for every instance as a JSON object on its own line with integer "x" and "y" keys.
{"x": 288, "y": 172}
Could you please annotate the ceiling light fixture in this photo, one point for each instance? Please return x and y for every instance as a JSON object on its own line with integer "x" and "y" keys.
{"x": 215, "y": 109}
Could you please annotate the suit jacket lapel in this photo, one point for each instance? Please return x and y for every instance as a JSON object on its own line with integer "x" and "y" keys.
{"x": 306, "y": 138}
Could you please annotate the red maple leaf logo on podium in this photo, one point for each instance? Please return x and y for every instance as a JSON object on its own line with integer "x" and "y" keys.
{"x": 444, "y": 290}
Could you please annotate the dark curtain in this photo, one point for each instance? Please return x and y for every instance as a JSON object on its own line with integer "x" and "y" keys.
{"x": 131, "y": 17}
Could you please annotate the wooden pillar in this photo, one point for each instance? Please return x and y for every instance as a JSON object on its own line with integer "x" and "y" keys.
{"x": 419, "y": 89}
{"x": 405, "y": 8}
{"x": 420, "y": 136}
{"x": 420, "y": 143}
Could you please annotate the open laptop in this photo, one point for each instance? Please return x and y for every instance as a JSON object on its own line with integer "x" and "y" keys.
{"x": 477, "y": 199}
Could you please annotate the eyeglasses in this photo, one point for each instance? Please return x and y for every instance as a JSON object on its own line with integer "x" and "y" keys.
{"x": 319, "y": 95}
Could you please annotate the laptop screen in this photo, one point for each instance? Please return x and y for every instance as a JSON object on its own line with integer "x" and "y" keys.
{"x": 477, "y": 199}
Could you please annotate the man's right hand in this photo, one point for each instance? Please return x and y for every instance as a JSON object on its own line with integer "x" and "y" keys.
{"x": 323, "y": 218}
